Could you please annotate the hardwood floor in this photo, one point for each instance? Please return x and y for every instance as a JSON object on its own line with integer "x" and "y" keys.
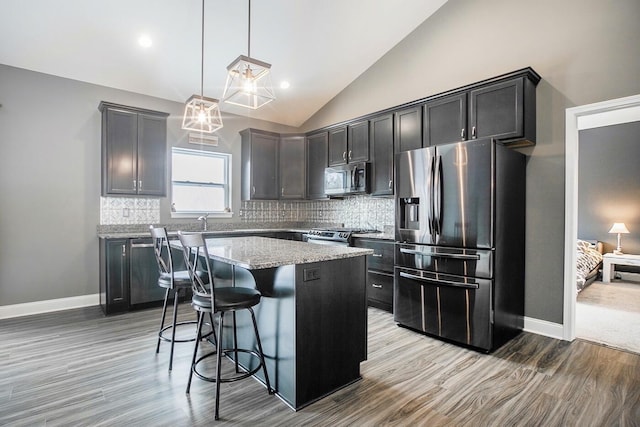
{"x": 80, "y": 368}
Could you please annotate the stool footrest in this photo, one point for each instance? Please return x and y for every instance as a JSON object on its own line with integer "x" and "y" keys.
{"x": 225, "y": 352}
{"x": 169, "y": 327}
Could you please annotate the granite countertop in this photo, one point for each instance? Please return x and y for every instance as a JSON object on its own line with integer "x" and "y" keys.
{"x": 255, "y": 253}
{"x": 142, "y": 234}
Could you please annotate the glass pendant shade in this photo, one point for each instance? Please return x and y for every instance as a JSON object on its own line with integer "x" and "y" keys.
{"x": 248, "y": 83}
{"x": 202, "y": 114}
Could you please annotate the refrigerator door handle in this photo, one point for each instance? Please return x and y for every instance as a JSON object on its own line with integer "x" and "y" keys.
{"x": 440, "y": 282}
{"x": 440, "y": 255}
{"x": 430, "y": 198}
{"x": 438, "y": 196}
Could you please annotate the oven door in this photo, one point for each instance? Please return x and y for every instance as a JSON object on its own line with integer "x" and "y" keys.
{"x": 451, "y": 307}
{"x": 318, "y": 241}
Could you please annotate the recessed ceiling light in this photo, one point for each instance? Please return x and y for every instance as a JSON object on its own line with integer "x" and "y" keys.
{"x": 145, "y": 41}
{"x": 284, "y": 85}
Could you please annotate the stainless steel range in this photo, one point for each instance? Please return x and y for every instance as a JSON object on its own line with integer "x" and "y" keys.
{"x": 334, "y": 236}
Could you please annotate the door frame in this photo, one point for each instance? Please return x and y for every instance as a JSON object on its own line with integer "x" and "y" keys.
{"x": 607, "y": 113}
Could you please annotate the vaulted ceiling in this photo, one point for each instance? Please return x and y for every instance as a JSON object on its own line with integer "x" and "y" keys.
{"x": 318, "y": 46}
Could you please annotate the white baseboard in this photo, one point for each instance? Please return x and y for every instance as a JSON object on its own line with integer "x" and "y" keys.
{"x": 28, "y": 308}
{"x": 543, "y": 327}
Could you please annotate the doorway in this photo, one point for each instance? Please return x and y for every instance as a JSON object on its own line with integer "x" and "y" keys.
{"x": 617, "y": 111}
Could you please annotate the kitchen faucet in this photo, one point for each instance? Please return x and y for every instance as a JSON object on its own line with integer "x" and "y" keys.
{"x": 203, "y": 218}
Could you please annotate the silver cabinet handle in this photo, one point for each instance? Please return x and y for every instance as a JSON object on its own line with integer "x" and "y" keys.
{"x": 473, "y": 132}
{"x": 140, "y": 185}
{"x": 135, "y": 187}
{"x": 376, "y": 255}
{"x": 377, "y": 286}
{"x": 439, "y": 281}
{"x": 142, "y": 245}
{"x": 439, "y": 255}
{"x": 344, "y": 156}
{"x": 390, "y": 184}
{"x": 462, "y": 134}
{"x": 282, "y": 193}
{"x": 124, "y": 250}
{"x": 253, "y": 190}
{"x": 350, "y": 152}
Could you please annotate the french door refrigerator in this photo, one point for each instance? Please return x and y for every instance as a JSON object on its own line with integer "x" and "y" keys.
{"x": 459, "y": 260}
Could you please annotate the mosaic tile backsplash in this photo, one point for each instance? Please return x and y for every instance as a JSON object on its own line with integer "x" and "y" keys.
{"x": 357, "y": 211}
{"x": 128, "y": 210}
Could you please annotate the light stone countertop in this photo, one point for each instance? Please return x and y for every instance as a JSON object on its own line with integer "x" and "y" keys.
{"x": 255, "y": 253}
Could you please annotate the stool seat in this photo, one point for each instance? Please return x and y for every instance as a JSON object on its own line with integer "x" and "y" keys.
{"x": 228, "y": 299}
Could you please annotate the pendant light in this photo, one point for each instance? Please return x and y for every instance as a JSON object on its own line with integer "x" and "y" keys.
{"x": 248, "y": 79}
{"x": 202, "y": 113}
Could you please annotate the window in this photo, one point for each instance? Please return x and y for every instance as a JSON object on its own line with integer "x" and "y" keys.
{"x": 200, "y": 182}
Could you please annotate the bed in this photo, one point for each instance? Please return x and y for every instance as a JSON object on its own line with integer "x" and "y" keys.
{"x": 589, "y": 262}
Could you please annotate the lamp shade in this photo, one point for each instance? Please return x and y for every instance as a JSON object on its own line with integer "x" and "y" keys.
{"x": 619, "y": 227}
{"x": 202, "y": 114}
{"x": 248, "y": 83}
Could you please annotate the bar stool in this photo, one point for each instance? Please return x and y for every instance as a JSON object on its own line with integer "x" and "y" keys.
{"x": 172, "y": 280}
{"x": 208, "y": 299}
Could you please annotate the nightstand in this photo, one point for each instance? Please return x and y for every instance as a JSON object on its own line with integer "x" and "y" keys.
{"x": 610, "y": 260}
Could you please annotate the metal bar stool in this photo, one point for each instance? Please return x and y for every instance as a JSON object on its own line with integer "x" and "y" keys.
{"x": 208, "y": 299}
{"x": 172, "y": 280}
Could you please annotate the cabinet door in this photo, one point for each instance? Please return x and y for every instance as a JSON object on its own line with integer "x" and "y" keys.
{"x": 143, "y": 276}
{"x": 496, "y": 110}
{"x": 408, "y": 129}
{"x": 338, "y": 146}
{"x": 292, "y": 167}
{"x": 117, "y": 276}
{"x": 358, "y": 142}
{"x": 380, "y": 290}
{"x": 317, "y": 148}
{"x": 445, "y": 120}
{"x": 152, "y": 155}
{"x": 382, "y": 155}
{"x": 120, "y": 134}
{"x": 264, "y": 167}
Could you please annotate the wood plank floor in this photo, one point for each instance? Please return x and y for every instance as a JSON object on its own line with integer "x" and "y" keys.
{"x": 78, "y": 367}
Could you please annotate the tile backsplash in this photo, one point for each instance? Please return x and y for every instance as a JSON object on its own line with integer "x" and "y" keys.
{"x": 129, "y": 210}
{"x": 357, "y": 211}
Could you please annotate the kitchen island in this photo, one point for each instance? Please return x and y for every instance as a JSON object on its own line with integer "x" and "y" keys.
{"x": 312, "y": 316}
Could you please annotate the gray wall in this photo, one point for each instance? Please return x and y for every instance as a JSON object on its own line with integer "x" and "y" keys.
{"x": 50, "y": 180}
{"x": 609, "y": 184}
{"x": 585, "y": 50}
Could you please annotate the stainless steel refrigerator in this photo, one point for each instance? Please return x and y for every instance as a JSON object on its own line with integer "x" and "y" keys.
{"x": 460, "y": 226}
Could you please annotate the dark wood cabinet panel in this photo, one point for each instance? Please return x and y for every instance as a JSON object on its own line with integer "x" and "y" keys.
{"x": 134, "y": 151}
{"x": 445, "y": 120}
{"x": 380, "y": 290}
{"x": 292, "y": 167}
{"x": 379, "y": 271}
{"x": 317, "y": 151}
{"x": 338, "y": 150}
{"x": 358, "y": 141}
{"x": 259, "y": 165}
{"x": 381, "y": 144}
{"x": 408, "y": 129}
{"x": 114, "y": 275}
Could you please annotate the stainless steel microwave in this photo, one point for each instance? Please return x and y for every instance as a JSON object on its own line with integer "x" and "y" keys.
{"x": 347, "y": 179}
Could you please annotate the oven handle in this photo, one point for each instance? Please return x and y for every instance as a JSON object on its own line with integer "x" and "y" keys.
{"x": 439, "y": 281}
{"x": 440, "y": 255}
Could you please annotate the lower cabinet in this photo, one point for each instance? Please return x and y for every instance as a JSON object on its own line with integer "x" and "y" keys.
{"x": 114, "y": 275}
{"x": 379, "y": 272}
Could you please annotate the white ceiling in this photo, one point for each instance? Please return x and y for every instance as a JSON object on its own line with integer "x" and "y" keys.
{"x": 319, "y": 46}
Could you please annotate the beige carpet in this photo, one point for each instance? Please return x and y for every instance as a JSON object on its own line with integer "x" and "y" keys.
{"x": 609, "y": 313}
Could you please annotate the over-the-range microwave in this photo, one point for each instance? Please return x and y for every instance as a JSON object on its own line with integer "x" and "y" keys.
{"x": 346, "y": 180}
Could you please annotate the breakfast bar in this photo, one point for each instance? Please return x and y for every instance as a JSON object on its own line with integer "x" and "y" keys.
{"x": 312, "y": 316}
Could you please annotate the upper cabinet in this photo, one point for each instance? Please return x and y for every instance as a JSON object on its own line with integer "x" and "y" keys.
{"x": 317, "y": 151}
{"x": 134, "y": 151}
{"x": 381, "y": 131}
{"x": 408, "y": 129}
{"x": 445, "y": 120}
{"x": 292, "y": 167}
{"x": 259, "y": 165}
{"x": 349, "y": 144}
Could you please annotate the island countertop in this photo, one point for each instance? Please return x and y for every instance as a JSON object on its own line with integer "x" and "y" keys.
{"x": 256, "y": 253}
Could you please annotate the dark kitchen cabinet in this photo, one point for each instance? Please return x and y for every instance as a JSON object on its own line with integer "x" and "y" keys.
{"x": 381, "y": 131}
{"x": 292, "y": 167}
{"x": 358, "y": 141}
{"x": 134, "y": 151}
{"x": 503, "y": 110}
{"x": 114, "y": 275}
{"x": 259, "y": 165}
{"x": 445, "y": 120}
{"x": 408, "y": 129}
{"x": 317, "y": 151}
{"x": 338, "y": 146}
{"x": 379, "y": 272}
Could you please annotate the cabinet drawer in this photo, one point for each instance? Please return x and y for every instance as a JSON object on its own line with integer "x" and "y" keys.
{"x": 382, "y": 258}
{"x": 380, "y": 290}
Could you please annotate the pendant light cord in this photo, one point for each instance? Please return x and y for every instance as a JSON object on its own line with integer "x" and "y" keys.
{"x": 249, "y": 33}
{"x": 202, "y": 54}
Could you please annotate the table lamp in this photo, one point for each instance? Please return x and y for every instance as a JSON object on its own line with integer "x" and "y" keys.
{"x": 619, "y": 228}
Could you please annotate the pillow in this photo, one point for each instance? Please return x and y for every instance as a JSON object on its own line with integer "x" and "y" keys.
{"x": 582, "y": 245}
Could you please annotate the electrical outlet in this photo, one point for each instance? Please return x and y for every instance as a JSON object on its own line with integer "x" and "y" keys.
{"x": 311, "y": 274}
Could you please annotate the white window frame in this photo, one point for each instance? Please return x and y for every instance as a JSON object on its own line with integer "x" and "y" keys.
{"x": 227, "y": 185}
